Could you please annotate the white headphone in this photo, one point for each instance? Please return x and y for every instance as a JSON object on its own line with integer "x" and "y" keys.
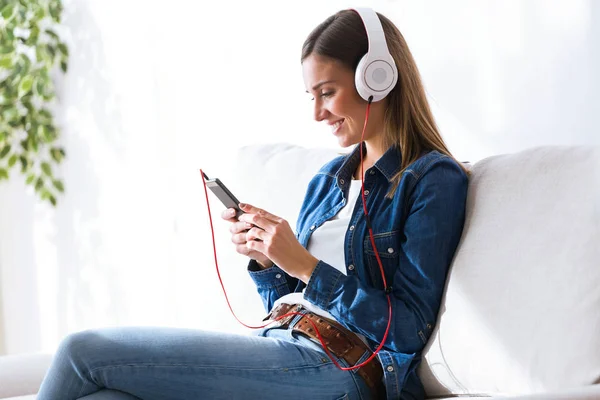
{"x": 376, "y": 74}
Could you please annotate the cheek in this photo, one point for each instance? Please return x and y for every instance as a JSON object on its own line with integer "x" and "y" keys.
{"x": 346, "y": 105}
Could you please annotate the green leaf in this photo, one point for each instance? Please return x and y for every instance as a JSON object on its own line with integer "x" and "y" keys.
{"x": 34, "y": 35}
{"x": 10, "y": 34}
{"x": 10, "y": 114}
{"x": 3, "y": 173}
{"x": 49, "y": 133}
{"x": 52, "y": 200}
{"x": 39, "y": 183}
{"x": 7, "y": 48}
{"x": 58, "y": 185}
{"x": 63, "y": 49}
{"x": 40, "y": 53}
{"x": 12, "y": 160}
{"x": 29, "y": 179}
{"x": 25, "y": 85}
{"x": 45, "y": 115}
{"x": 51, "y": 50}
{"x": 5, "y": 150}
{"x": 25, "y": 62}
{"x": 6, "y": 62}
{"x": 63, "y": 66}
{"x": 39, "y": 13}
{"x": 24, "y": 163}
{"x": 57, "y": 154}
{"x": 53, "y": 34}
{"x": 8, "y": 11}
{"x": 46, "y": 168}
{"x": 41, "y": 132}
{"x": 55, "y": 12}
{"x": 29, "y": 106}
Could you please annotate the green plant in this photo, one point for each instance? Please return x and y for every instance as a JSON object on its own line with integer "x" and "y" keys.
{"x": 30, "y": 50}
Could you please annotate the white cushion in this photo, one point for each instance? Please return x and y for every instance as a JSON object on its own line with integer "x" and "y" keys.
{"x": 275, "y": 176}
{"x": 521, "y": 312}
{"x": 22, "y": 374}
{"x": 591, "y": 392}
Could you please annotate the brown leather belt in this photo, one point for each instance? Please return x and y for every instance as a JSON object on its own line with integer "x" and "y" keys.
{"x": 340, "y": 341}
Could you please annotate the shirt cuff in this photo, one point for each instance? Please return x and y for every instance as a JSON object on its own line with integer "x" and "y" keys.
{"x": 266, "y": 278}
{"x": 324, "y": 281}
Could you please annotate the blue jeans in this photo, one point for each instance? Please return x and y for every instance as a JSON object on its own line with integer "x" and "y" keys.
{"x": 167, "y": 363}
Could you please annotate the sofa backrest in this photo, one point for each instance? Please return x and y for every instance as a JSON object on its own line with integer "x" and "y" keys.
{"x": 275, "y": 176}
{"x": 521, "y": 312}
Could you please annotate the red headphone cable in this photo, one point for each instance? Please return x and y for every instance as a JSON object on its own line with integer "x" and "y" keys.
{"x": 387, "y": 289}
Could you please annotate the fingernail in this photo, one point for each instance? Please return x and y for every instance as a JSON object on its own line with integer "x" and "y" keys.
{"x": 242, "y": 205}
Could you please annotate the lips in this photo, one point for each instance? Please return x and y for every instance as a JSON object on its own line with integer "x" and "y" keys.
{"x": 335, "y": 127}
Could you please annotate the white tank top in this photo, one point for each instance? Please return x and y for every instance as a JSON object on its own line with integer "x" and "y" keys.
{"x": 327, "y": 244}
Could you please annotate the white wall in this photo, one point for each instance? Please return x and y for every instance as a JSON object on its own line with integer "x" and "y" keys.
{"x": 157, "y": 90}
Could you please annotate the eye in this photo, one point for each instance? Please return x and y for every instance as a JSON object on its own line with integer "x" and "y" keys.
{"x": 324, "y": 95}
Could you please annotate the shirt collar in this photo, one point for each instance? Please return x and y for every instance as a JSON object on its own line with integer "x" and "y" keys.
{"x": 389, "y": 164}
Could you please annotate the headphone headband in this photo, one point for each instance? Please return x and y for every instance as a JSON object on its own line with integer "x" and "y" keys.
{"x": 375, "y": 35}
{"x": 376, "y": 73}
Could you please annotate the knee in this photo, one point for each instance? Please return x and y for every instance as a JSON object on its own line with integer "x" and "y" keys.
{"x": 77, "y": 344}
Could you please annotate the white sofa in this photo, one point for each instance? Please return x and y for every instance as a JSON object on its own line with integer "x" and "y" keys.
{"x": 521, "y": 313}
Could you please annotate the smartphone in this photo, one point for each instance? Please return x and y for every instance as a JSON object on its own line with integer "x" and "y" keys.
{"x": 223, "y": 194}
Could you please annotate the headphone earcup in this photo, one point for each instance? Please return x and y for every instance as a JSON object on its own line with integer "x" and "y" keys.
{"x": 375, "y": 78}
{"x": 361, "y": 86}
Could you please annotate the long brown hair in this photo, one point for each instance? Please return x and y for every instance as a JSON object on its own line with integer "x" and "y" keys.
{"x": 408, "y": 121}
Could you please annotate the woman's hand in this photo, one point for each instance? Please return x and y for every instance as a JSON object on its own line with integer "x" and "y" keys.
{"x": 238, "y": 237}
{"x": 278, "y": 242}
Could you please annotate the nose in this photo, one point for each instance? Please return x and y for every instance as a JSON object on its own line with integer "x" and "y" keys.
{"x": 320, "y": 111}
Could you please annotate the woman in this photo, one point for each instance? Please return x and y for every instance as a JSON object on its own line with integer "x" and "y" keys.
{"x": 415, "y": 193}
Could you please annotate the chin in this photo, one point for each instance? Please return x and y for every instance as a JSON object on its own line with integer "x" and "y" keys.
{"x": 345, "y": 143}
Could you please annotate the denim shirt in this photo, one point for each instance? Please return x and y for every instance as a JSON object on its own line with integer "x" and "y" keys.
{"x": 416, "y": 234}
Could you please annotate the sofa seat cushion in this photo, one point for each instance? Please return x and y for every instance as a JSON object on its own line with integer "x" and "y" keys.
{"x": 22, "y": 374}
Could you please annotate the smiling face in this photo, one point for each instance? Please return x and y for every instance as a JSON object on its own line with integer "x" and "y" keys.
{"x": 338, "y": 104}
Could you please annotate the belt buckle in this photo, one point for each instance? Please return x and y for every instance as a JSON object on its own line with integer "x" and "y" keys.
{"x": 288, "y": 318}
{"x": 273, "y": 311}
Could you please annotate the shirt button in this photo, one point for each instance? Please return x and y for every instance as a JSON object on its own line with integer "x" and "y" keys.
{"x": 390, "y": 368}
{"x": 312, "y": 228}
{"x": 352, "y": 228}
{"x": 278, "y": 276}
{"x": 366, "y": 192}
{"x": 390, "y": 250}
{"x": 341, "y": 181}
{"x": 372, "y": 172}
{"x": 351, "y": 267}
